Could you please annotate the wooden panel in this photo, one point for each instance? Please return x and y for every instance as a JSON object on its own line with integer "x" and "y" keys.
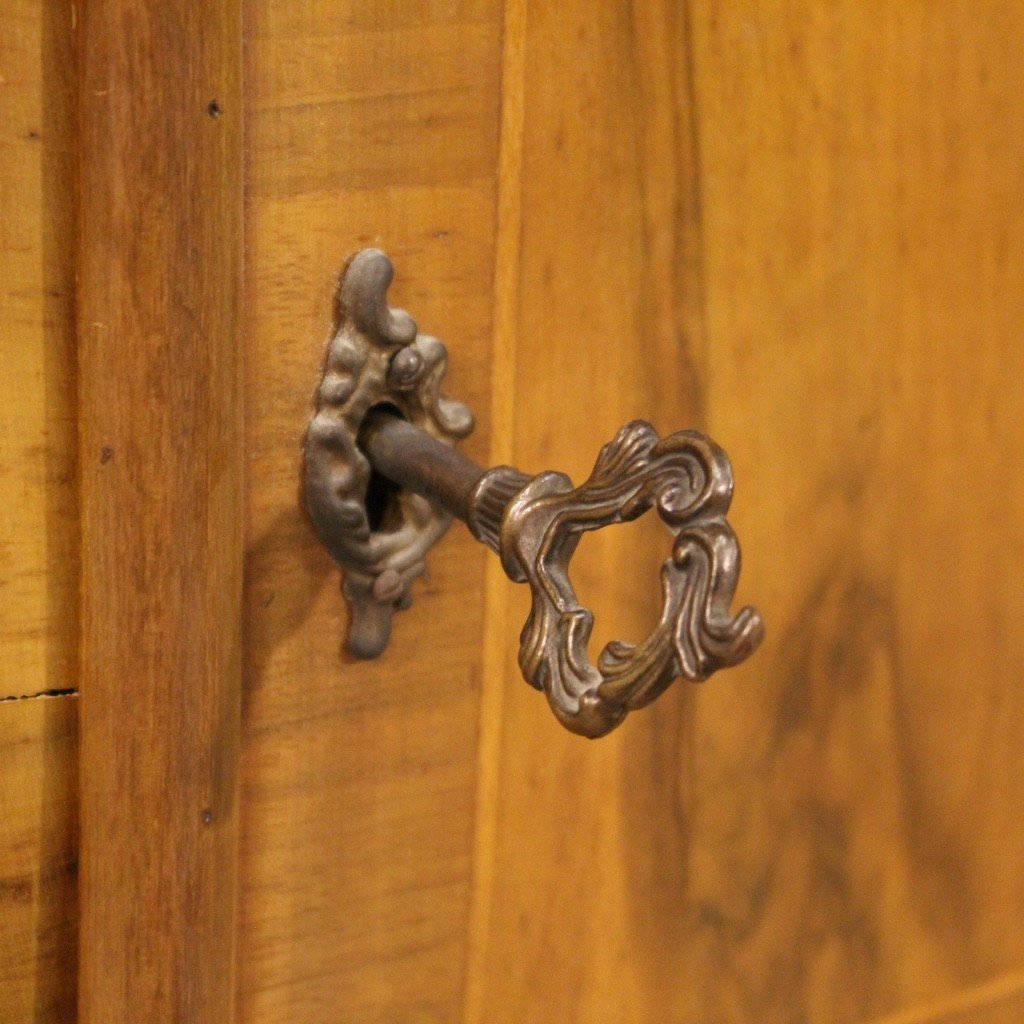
{"x": 826, "y": 271}
{"x": 39, "y": 537}
{"x": 369, "y": 123}
{"x": 38, "y": 490}
{"x": 159, "y": 267}
{"x": 855, "y": 796}
{"x": 997, "y": 1007}
{"x": 38, "y": 859}
{"x": 999, "y": 1001}
{"x": 578, "y": 912}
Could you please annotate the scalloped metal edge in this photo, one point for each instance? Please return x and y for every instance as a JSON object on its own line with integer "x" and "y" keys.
{"x": 377, "y": 356}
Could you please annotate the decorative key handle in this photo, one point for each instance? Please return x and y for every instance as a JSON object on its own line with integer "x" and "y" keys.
{"x": 382, "y": 483}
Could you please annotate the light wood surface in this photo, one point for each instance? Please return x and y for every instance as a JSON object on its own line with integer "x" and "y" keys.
{"x": 580, "y": 868}
{"x": 368, "y": 124}
{"x": 159, "y": 271}
{"x": 39, "y": 537}
{"x": 827, "y": 194}
{"x": 795, "y": 225}
{"x": 999, "y": 1000}
{"x": 38, "y": 489}
{"x": 856, "y": 802}
{"x": 38, "y": 859}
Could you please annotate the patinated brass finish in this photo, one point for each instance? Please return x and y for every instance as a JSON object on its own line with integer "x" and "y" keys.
{"x": 376, "y": 358}
{"x": 533, "y": 523}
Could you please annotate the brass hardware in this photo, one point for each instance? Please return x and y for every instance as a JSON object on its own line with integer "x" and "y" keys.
{"x": 376, "y": 358}
{"x": 380, "y": 410}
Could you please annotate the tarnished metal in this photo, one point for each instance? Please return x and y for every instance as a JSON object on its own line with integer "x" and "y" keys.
{"x": 376, "y": 358}
{"x": 688, "y": 479}
{"x": 534, "y": 523}
{"x": 420, "y": 463}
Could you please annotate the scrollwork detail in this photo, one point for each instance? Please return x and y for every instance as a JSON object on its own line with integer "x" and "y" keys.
{"x": 688, "y": 479}
{"x": 376, "y": 357}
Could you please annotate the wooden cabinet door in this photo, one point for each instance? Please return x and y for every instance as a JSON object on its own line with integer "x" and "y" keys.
{"x": 796, "y": 226}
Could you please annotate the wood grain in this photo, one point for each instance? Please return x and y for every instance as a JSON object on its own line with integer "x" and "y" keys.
{"x": 578, "y": 877}
{"x": 39, "y": 535}
{"x": 795, "y": 224}
{"x": 854, "y": 795}
{"x": 38, "y": 451}
{"x": 1005, "y": 1011}
{"x": 159, "y": 268}
{"x": 38, "y": 859}
{"x": 368, "y": 123}
{"x": 808, "y": 241}
{"x": 998, "y": 1001}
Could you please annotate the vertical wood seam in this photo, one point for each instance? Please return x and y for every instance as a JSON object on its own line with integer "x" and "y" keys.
{"x": 160, "y": 449}
{"x": 508, "y": 237}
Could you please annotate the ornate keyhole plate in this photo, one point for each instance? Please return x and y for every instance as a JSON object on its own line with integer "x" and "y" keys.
{"x": 376, "y": 358}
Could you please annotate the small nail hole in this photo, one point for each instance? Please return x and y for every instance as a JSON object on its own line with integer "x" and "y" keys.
{"x": 214, "y": 108}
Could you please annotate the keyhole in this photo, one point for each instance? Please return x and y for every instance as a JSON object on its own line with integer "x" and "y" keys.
{"x": 383, "y": 509}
